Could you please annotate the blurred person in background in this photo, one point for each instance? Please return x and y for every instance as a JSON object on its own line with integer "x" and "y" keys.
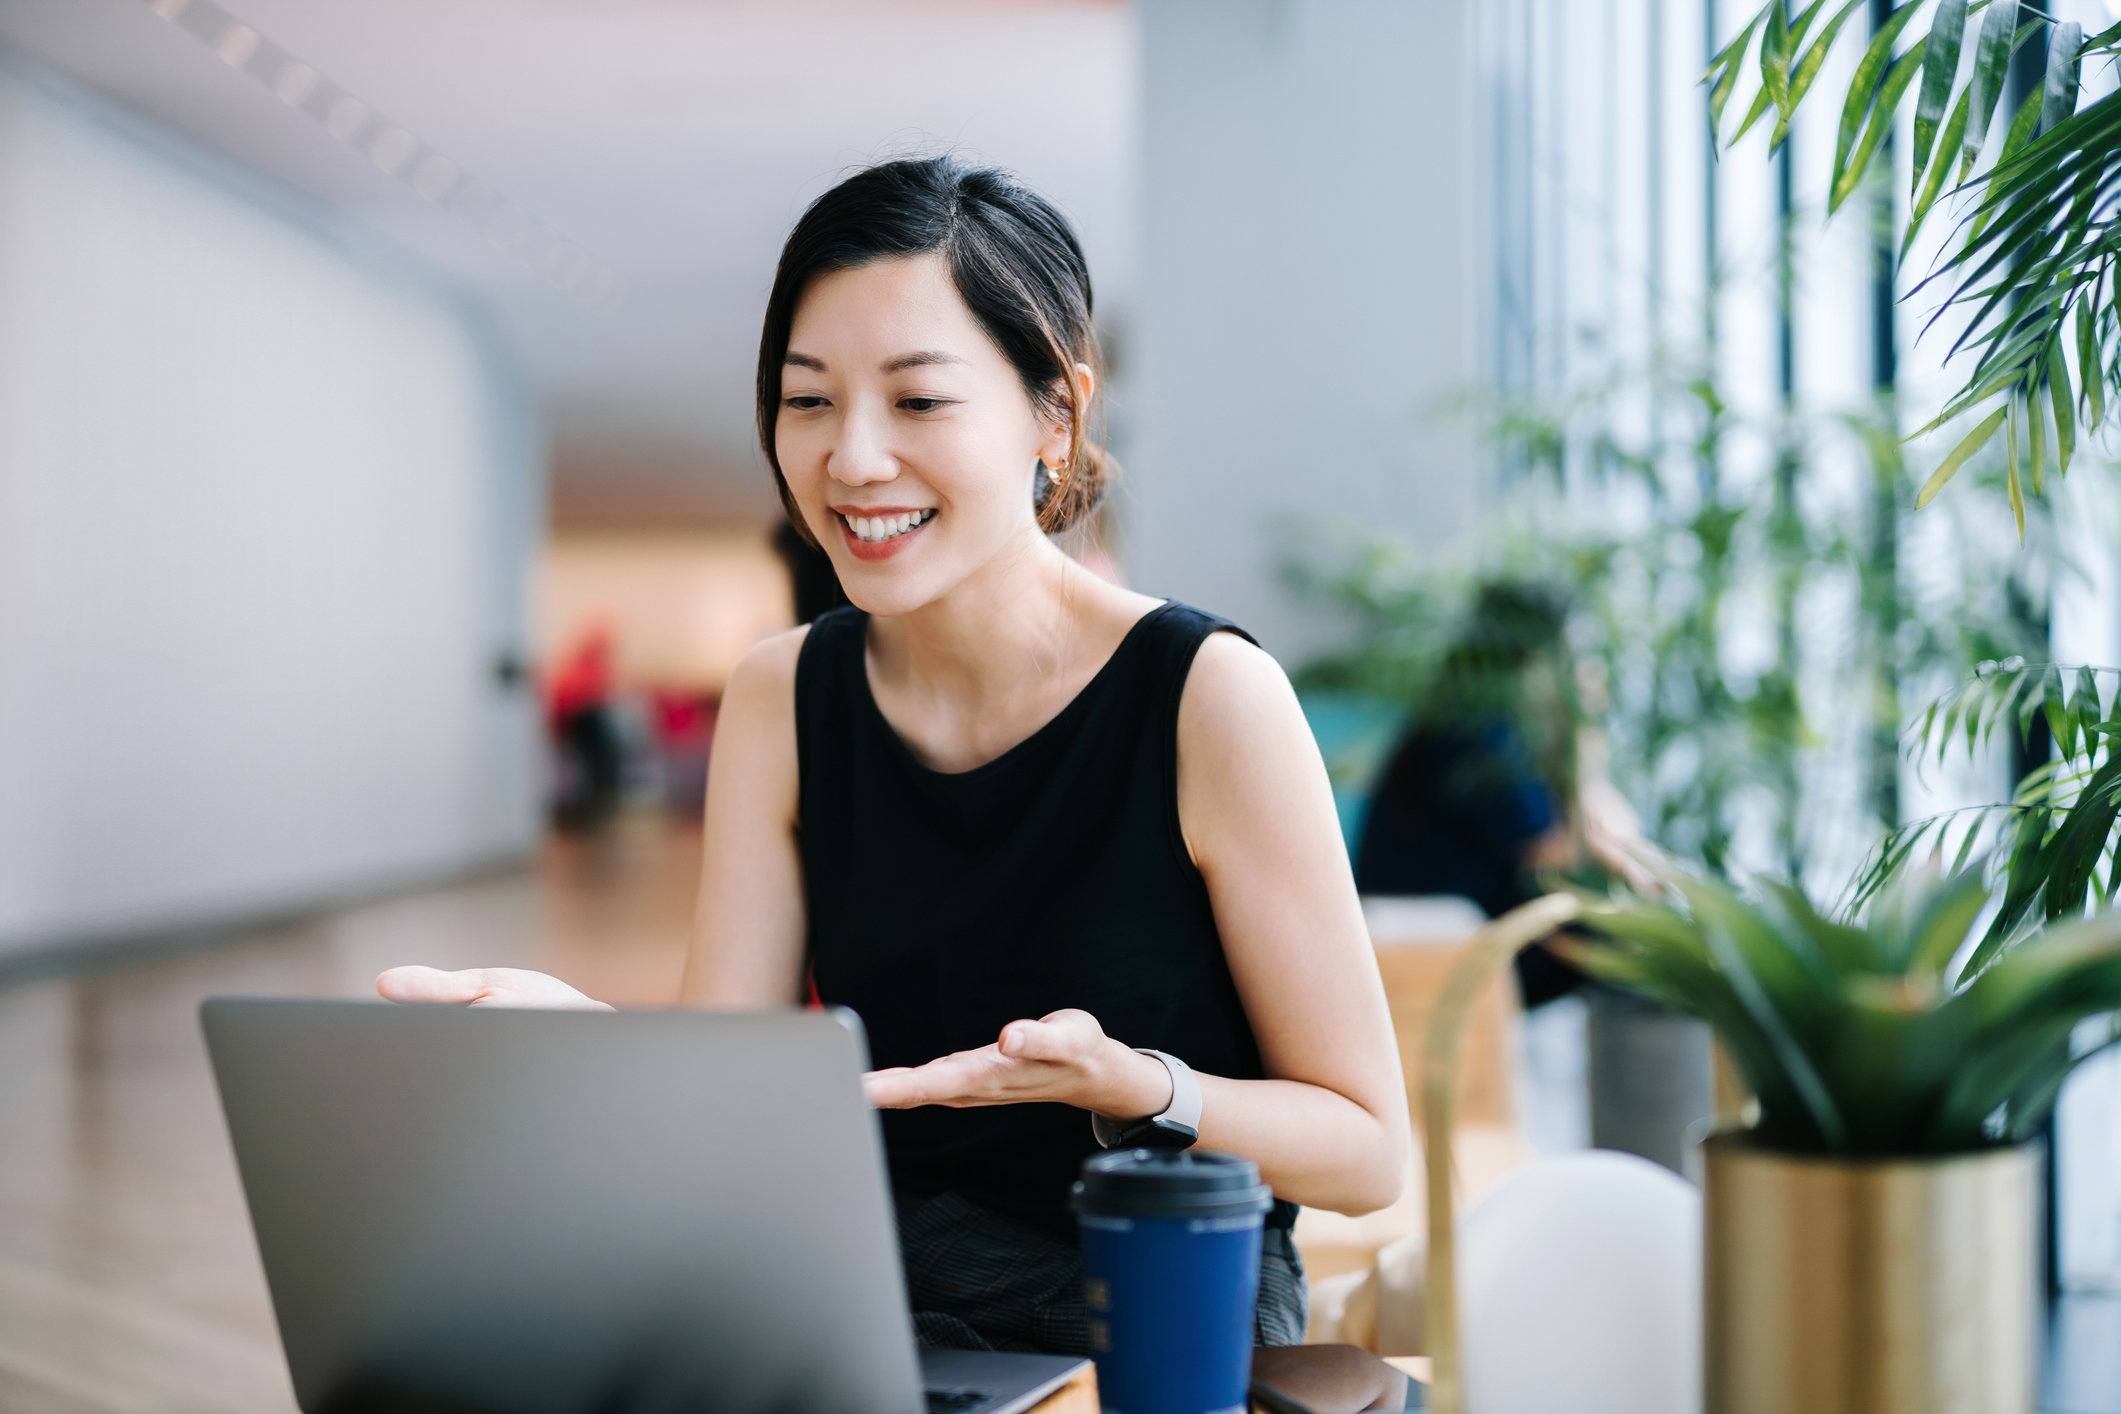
{"x": 590, "y": 757}
{"x": 1021, "y": 820}
{"x": 1486, "y": 792}
{"x": 684, "y": 738}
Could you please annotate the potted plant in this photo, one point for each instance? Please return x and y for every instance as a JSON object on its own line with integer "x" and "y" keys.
{"x": 1870, "y": 1234}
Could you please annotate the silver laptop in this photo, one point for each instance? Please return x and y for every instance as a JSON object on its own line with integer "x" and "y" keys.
{"x": 546, "y": 1212}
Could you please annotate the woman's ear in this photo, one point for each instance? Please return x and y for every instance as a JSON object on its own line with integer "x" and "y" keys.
{"x": 1060, "y": 437}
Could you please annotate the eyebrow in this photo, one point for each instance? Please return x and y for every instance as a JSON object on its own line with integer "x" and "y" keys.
{"x": 920, "y": 360}
{"x": 923, "y": 359}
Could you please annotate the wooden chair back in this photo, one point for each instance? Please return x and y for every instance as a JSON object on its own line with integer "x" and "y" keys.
{"x": 1472, "y": 973}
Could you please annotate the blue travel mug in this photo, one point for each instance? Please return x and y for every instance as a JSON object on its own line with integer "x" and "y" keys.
{"x": 1171, "y": 1274}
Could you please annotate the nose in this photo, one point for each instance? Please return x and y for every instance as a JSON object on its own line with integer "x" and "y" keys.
{"x": 862, "y": 454}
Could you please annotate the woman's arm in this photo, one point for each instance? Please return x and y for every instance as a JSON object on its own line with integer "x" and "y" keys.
{"x": 748, "y": 931}
{"x": 747, "y": 945}
{"x": 1330, "y": 1129}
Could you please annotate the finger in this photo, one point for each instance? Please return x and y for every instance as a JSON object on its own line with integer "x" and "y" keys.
{"x": 431, "y": 985}
{"x": 1064, "y": 1037}
{"x": 908, "y": 1087}
{"x": 965, "y": 1078}
{"x": 1039, "y": 1041}
{"x": 892, "y": 1089}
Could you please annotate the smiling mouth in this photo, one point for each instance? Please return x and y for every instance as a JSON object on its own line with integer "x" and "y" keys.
{"x": 875, "y": 530}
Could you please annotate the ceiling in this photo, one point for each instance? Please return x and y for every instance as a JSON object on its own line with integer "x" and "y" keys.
{"x": 676, "y": 140}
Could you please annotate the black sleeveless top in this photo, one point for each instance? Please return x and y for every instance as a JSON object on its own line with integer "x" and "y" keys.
{"x": 945, "y": 906}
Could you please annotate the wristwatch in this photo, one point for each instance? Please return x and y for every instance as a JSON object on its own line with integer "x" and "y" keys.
{"x": 1178, "y": 1127}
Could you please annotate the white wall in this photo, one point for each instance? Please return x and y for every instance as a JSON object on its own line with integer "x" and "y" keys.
{"x": 1307, "y": 291}
{"x": 265, "y": 519}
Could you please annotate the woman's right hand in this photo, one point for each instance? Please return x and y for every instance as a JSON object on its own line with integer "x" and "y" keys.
{"x": 484, "y": 986}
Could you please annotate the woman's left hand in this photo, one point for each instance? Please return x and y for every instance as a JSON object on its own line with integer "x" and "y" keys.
{"x": 1063, "y": 1057}
{"x": 484, "y": 986}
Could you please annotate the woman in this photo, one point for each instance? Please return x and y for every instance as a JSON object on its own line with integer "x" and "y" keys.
{"x": 1019, "y": 819}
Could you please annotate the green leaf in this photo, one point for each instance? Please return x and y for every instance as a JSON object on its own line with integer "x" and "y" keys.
{"x": 1723, "y": 69}
{"x": 1731, "y": 959}
{"x": 1940, "y": 65}
{"x": 1808, "y": 67}
{"x": 2017, "y": 500}
{"x": 1754, "y": 114}
{"x": 1801, "y": 23}
{"x": 1846, "y": 949}
{"x": 1897, "y": 79}
{"x": 1864, "y": 87}
{"x": 1784, "y": 35}
{"x": 2036, "y": 437}
{"x": 2054, "y": 705}
{"x": 1942, "y": 927}
{"x": 1992, "y": 57}
{"x": 1968, "y": 445}
{"x": 1775, "y": 56}
{"x": 2024, "y": 127}
{"x": 2021, "y": 132}
{"x": 2058, "y": 99}
{"x": 2065, "y": 404}
{"x": 2092, "y": 382}
{"x": 1934, "y": 183}
{"x": 2085, "y": 701}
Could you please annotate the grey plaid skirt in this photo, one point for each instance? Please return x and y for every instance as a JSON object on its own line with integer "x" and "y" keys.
{"x": 979, "y": 1281}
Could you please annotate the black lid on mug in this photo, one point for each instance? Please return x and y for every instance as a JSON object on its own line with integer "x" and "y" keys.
{"x": 1170, "y": 1183}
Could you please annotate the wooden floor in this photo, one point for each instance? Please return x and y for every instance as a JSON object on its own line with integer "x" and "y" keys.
{"x": 128, "y": 1277}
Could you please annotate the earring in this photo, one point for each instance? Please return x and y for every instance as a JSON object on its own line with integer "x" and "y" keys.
{"x": 1044, "y": 482}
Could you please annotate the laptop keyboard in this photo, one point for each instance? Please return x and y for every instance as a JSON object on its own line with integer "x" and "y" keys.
{"x": 956, "y": 1400}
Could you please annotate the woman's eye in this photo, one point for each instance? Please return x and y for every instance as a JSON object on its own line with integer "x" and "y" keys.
{"x": 804, "y": 402}
{"x": 921, "y": 404}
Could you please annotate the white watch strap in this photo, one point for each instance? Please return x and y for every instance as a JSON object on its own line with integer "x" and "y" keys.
{"x": 1184, "y": 1107}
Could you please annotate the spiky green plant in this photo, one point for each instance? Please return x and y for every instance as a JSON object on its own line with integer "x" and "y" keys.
{"x": 1883, "y": 1038}
{"x": 2030, "y": 261}
{"x": 2057, "y": 841}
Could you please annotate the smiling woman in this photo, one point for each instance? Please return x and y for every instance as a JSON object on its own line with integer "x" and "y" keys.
{"x": 1069, "y": 851}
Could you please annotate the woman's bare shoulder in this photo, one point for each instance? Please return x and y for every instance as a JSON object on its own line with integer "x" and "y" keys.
{"x": 766, "y": 672}
{"x": 1236, "y": 688}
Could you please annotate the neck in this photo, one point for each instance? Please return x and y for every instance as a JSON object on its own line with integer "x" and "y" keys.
{"x": 1016, "y": 619}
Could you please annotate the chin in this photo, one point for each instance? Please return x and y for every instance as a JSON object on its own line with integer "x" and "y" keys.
{"x": 887, "y": 595}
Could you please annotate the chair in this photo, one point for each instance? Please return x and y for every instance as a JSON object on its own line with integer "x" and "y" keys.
{"x": 1417, "y": 941}
{"x": 1576, "y": 1282}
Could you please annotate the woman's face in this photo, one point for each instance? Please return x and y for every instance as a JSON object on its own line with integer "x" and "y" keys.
{"x": 904, "y": 434}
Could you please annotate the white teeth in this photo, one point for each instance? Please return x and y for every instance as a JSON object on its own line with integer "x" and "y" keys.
{"x": 872, "y": 529}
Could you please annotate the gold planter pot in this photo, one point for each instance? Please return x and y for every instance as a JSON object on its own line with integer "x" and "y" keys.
{"x": 1868, "y": 1287}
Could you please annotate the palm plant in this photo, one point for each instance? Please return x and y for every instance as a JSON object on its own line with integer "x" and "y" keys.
{"x": 2031, "y": 263}
{"x": 2058, "y": 838}
{"x": 1889, "y": 1037}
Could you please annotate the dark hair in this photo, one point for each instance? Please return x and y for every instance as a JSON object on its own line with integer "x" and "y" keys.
{"x": 1016, "y": 264}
